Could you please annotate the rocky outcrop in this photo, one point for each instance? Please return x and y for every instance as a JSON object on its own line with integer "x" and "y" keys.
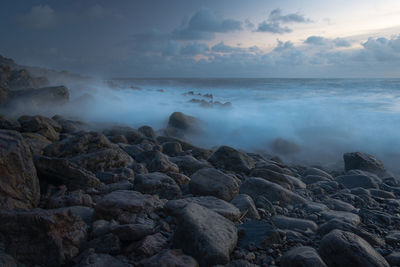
{"x": 19, "y": 184}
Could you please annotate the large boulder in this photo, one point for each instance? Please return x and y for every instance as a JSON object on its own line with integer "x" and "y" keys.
{"x": 217, "y": 205}
{"x": 19, "y": 184}
{"x": 353, "y": 181}
{"x": 230, "y": 159}
{"x": 212, "y": 182}
{"x": 255, "y": 187}
{"x": 209, "y": 243}
{"x": 302, "y": 257}
{"x": 122, "y": 205}
{"x": 157, "y": 183}
{"x": 364, "y": 162}
{"x": 62, "y": 171}
{"x": 340, "y": 248}
{"x": 42, "y": 237}
{"x": 182, "y": 121}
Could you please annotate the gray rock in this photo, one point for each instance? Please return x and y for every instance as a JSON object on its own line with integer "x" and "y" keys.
{"x": 317, "y": 172}
{"x": 147, "y": 131}
{"x": 302, "y": 257}
{"x": 296, "y": 224}
{"x": 101, "y": 260}
{"x": 151, "y": 245}
{"x": 122, "y": 204}
{"x": 363, "y": 161}
{"x": 393, "y": 258}
{"x": 231, "y": 159}
{"x": 157, "y": 183}
{"x": 172, "y": 149}
{"x": 340, "y": 248}
{"x": 352, "y": 181}
{"x": 168, "y": 258}
{"x": 311, "y": 179}
{"x": 133, "y": 232}
{"x": 36, "y": 142}
{"x": 381, "y": 193}
{"x": 246, "y": 206}
{"x": 341, "y": 215}
{"x": 255, "y": 187}
{"x": 273, "y": 177}
{"x": 19, "y": 184}
{"x": 217, "y": 205}
{"x": 212, "y": 182}
{"x": 108, "y": 243}
{"x": 315, "y": 207}
{"x": 41, "y": 125}
{"x": 209, "y": 243}
{"x": 338, "y": 205}
{"x": 189, "y": 165}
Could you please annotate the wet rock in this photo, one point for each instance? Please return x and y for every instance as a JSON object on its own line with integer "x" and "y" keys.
{"x": 246, "y": 206}
{"x": 345, "y": 226}
{"x": 255, "y": 187}
{"x": 189, "y": 165}
{"x": 209, "y": 243}
{"x": 393, "y": 238}
{"x": 311, "y": 179}
{"x": 62, "y": 171}
{"x": 42, "y": 237}
{"x": 168, "y": 258}
{"x": 109, "y": 244}
{"x": 231, "y": 159}
{"x": 256, "y": 232}
{"x": 317, "y": 172}
{"x": 217, "y": 205}
{"x": 352, "y": 181}
{"x": 124, "y": 203}
{"x": 101, "y": 260}
{"x": 315, "y": 207}
{"x": 340, "y": 248}
{"x": 133, "y": 232}
{"x": 336, "y": 204}
{"x": 381, "y": 193}
{"x": 349, "y": 217}
{"x": 363, "y": 161}
{"x": 296, "y": 224}
{"x": 212, "y": 182}
{"x": 273, "y": 177}
{"x": 116, "y": 175}
{"x": 151, "y": 245}
{"x": 302, "y": 257}
{"x": 393, "y": 258}
{"x": 19, "y": 184}
{"x": 172, "y": 149}
{"x": 157, "y": 183}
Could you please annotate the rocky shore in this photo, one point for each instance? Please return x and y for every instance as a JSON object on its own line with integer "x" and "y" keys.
{"x": 120, "y": 196}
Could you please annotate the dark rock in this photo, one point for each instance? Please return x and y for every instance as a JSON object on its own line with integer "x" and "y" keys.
{"x": 381, "y": 193}
{"x": 246, "y": 206}
{"x": 133, "y": 232}
{"x": 310, "y": 179}
{"x": 42, "y": 237}
{"x": 255, "y": 187}
{"x": 273, "y": 177}
{"x": 121, "y": 185}
{"x": 362, "y": 161}
{"x": 231, "y": 159}
{"x": 260, "y": 233}
{"x": 151, "y": 245}
{"x": 109, "y": 244}
{"x": 36, "y": 142}
{"x": 345, "y": 226}
{"x": 296, "y": 224}
{"x": 19, "y": 184}
{"x": 101, "y": 260}
{"x": 8, "y": 261}
{"x": 147, "y": 131}
{"x": 179, "y": 178}
{"x": 340, "y": 248}
{"x": 209, "y": 243}
{"x": 189, "y": 165}
{"x": 181, "y": 121}
{"x": 212, "y": 182}
{"x": 170, "y": 258}
{"x": 131, "y": 134}
{"x": 217, "y": 205}
{"x": 302, "y": 257}
{"x": 317, "y": 172}
{"x": 58, "y": 198}
{"x": 341, "y": 215}
{"x": 336, "y": 204}
{"x": 62, "y": 171}
{"x": 172, "y": 149}
{"x": 85, "y": 213}
{"x": 6, "y": 124}
{"x": 393, "y": 258}
{"x": 352, "y": 181}
{"x": 157, "y": 183}
{"x": 121, "y": 203}
{"x": 197, "y": 152}
{"x": 36, "y": 98}
{"x": 157, "y": 162}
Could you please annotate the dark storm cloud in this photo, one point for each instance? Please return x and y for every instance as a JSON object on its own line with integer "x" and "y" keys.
{"x": 204, "y": 24}
{"x": 194, "y": 49}
{"x": 275, "y": 20}
{"x": 223, "y": 48}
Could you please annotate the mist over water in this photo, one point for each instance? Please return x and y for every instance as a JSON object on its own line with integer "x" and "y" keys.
{"x": 324, "y": 117}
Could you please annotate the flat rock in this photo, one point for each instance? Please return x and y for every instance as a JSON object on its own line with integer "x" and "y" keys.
{"x": 340, "y": 248}
{"x": 209, "y": 243}
{"x": 302, "y": 257}
{"x": 157, "y": 183}
{"x": 212, "y": 182}
{"x": 255, "y": 187}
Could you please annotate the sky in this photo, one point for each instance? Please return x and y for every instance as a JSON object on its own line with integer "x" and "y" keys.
{"x": 205, "y": 38}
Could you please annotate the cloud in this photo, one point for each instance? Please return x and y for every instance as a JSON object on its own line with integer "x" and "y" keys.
{"x": 340, "y": 42}
{"x": 283, "y": 46}
{"x": 322, "y": 41}
{"x": 223, "y": 48}
{"x": 39, "y": 17}
{"x": 272, "y": 28}
{"x": 276, "y": 15}
{"x": 194, "y": 49}
{"x": 204, "y": 24}
{"x": 316, "y": 40}
{"x": 275, "y": 19}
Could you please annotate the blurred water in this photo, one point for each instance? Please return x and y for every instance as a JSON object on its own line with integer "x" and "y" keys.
{"x": 325, "y": 117}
